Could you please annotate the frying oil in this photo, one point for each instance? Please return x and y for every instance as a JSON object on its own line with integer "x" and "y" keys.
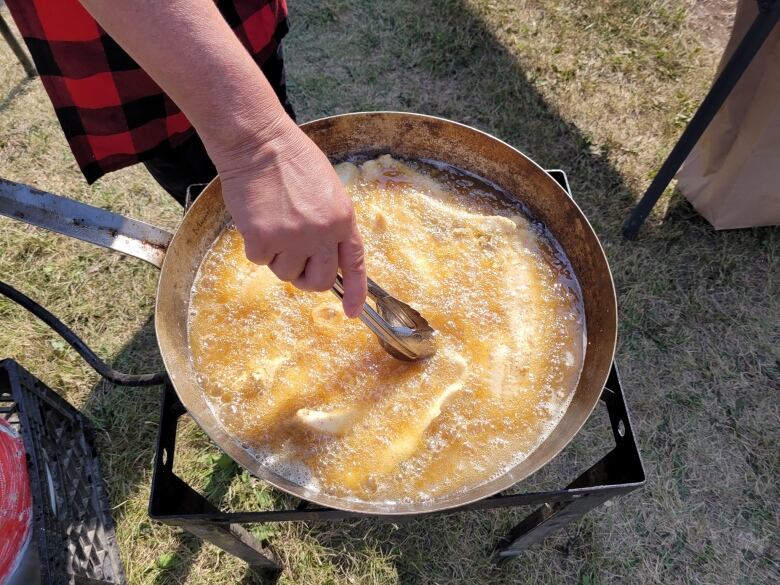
{"x": 314, "y": 396}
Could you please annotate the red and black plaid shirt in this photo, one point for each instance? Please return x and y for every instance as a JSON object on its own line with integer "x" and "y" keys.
{"x": 111, "y": 111}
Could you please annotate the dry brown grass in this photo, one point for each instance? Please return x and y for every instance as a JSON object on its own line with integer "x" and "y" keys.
{"x": 600, "y": 89}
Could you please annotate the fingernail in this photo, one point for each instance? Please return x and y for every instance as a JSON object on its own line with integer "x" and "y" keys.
{"x": 352, "y": 311}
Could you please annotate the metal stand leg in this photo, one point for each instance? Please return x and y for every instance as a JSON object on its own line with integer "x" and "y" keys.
{"x": 172, "y": 493}
{"x": 550, "y": 518}
{"x": 754, "y": 38}
{"x": 5, "y": 30}
{"x": 231, "y": 538}
{"x": 619, "y": 472}
{"x": 541, "y": 523}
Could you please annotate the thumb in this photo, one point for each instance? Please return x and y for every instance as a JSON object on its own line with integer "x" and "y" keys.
{"x": 353, "y": 272}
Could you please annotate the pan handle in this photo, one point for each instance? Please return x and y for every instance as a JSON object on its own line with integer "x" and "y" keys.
{"x": 84, "y": 222}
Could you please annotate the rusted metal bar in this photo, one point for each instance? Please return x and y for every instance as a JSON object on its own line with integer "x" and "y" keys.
{"x": 84, "y": 222}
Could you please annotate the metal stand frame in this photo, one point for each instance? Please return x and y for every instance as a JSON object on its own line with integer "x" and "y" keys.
{"x": 768, "y": 15}
{"x": 174, "y": 502}
{"x": 16, "y": 47}
{"x": 619, "y": 472}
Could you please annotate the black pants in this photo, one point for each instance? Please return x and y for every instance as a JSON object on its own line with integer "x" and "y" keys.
{"x": 188, "y": 164}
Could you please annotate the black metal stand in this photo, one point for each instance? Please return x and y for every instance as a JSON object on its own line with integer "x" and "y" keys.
{"x": 174, "y": 502}
{"x": 16, "y": 47}
{"x": 768, "y": 15}
{"x": 620, "y": 471}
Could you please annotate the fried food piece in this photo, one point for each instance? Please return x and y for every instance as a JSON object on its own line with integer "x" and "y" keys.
{"x": 334, "y": 422}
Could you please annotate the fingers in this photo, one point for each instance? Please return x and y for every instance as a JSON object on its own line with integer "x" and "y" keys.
{"x": 320, "y": 271}
{"x": 353, "y": 271}
{"x": 258, "y": 253}
{"x": 288, "y": 266}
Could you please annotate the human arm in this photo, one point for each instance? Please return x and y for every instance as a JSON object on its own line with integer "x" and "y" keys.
{"x": 281, "y": 190}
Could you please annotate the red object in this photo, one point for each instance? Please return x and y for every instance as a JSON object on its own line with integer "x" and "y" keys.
{"x": 113, "y": 114}
{"x": 15, "y": 500}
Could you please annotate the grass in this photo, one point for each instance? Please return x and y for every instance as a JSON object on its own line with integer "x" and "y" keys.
{"x": 600, "y": 89}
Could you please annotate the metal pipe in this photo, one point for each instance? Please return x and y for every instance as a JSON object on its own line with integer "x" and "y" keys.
{"x": 81, "y": 348}
{"x": 9, "y": 37}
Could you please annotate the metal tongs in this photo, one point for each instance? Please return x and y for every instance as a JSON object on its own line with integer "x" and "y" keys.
{"x": 402, "y": 331}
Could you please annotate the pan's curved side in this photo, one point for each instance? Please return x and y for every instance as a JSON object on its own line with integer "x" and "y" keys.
{"x": 204, "y": 221}
{"x": 413, "y": 136}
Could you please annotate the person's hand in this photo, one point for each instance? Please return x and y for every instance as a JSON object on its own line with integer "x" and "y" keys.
{"x": 285, "y": 198}
{"x": 289, "y": 205}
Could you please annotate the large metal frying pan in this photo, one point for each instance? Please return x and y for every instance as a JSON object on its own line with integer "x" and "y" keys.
{"x": 407, "y": 135}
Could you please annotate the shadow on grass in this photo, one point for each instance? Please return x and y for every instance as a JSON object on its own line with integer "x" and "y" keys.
{"x": 17, "y": 90}
{"x": 127, "y": 422}
{"x": 178, "y": 562}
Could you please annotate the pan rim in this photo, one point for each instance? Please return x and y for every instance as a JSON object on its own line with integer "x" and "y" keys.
{"x": 453, "y": 500}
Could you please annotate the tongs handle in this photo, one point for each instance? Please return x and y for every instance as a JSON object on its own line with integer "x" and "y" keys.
{"x": 374, "y": 290}
{"x": 373, "y": 320}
